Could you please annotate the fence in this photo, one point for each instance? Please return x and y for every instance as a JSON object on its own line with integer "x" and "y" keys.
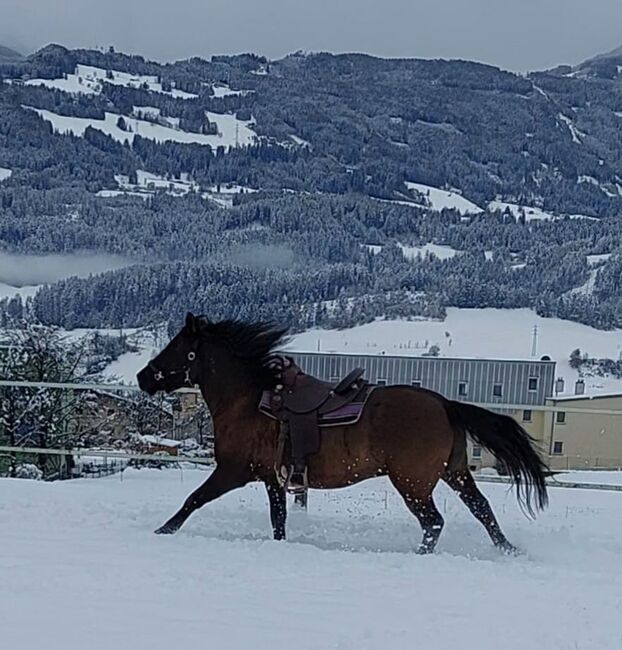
{"x": 113, "y": 413}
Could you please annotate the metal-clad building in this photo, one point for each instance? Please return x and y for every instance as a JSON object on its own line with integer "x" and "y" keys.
{"x": 527, "y": 382}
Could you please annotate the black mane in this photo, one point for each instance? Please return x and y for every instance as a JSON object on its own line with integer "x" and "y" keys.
{"x": 254, "y": 343}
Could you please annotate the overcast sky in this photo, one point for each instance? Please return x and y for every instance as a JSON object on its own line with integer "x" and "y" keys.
{"x": 515, "y": 34}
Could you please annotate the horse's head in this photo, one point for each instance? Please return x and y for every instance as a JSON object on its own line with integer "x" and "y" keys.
{"x": 176, "y": 366}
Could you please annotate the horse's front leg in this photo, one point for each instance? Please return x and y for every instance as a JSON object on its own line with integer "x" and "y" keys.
{"x": 222, "y": 480}
{"x": 278, "y": 507}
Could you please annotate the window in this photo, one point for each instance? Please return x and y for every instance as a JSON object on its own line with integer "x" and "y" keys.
{"x": 497, "y": 390}
{"x": 560, "y": 417}
{"x": 558, "y": 447}
{"x": 477, "y": 452}
{"x": 527, "y": 415}
{"x": 416, "y": 383}
{"x": 462, "y": 388}
{"x": 533, "y": 383}
{"x": 381, "y": 382}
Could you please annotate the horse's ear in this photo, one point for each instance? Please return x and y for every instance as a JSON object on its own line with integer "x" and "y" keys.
{"x": 191, "y": 323}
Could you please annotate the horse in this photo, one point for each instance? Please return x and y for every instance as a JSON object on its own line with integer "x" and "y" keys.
{"x": 414, "y": 436}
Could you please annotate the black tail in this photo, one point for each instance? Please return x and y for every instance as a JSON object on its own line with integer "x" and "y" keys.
{"x": 511, "y": 445}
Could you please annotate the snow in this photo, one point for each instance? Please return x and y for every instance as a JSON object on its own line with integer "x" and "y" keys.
{"x": 594, "y": 260}
{"x": 123, "y": 370}
{"x": 149, "y": 183}
{"x": 223, "y": 90}
{"x": 574, "y": 132}
{"x": 442, "y": 252}
{"x": 233, "y": 188}
{"x": 81, "y": 568}
{"x": 476, "y": 333}
{"x": 229, "y": 134}
{"x": 5, "y": 173}
{"x": 588, "y": 286}
{"x": 146, "y": 111}
{"x": 586, "y": 477}
{"x": 300, "y": 142}
{"x": 162, "y": 442}
{"x": 531, "y": 213}
{"x": 444, "y": 199}
{"x": 88, "y": 80}
{"x": 9, "y": 291}
{"x": 489, "y": 255}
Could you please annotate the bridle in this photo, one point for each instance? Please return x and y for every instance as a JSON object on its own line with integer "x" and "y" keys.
{"x": 160, "y": 375}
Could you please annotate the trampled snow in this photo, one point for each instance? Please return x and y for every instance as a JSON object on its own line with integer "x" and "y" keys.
{"x": 442, "y": 199}
{"x": 81, "y": 568}
{"x": 231, "y": 131}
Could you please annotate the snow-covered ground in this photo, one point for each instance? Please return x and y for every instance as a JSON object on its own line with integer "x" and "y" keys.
{"x": 441, "y": 199}
{"x": 440, "y": 251}
{"x": 231, "y": 131}
{"x": 531, "y": 213}
{"x": 81, "y": 568}
{"x": 5, "y": 173}
{"x": 88, "y": 80}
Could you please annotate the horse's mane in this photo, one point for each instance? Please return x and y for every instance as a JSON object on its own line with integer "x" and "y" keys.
{"x": 253, "y": 343}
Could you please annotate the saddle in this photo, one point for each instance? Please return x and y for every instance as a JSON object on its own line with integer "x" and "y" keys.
{"x": 304, "y": 405}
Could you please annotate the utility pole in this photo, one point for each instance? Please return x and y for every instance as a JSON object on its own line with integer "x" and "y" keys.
{"x": 534, "y": 343}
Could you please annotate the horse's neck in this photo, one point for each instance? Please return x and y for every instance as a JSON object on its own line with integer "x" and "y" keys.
{"x": 228, "y": 399}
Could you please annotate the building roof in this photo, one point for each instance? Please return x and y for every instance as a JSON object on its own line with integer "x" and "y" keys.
{"x": 593, "y": 396}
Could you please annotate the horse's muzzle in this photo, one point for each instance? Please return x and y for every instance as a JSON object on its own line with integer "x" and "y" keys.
{"x": 147, "y": 382}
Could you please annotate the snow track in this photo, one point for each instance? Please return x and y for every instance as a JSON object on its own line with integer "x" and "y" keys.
{"x": 81, "y": 568}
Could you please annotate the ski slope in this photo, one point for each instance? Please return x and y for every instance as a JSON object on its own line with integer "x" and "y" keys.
{"x": 81, "y": 569}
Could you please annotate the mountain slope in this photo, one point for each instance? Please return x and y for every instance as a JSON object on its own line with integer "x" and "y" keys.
{"x": 286, "y": 175}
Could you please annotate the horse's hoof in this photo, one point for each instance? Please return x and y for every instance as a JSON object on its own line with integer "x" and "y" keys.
{"x": 165, "y": 530}
{"x": 509, "y": 549}
{"x": 424, "y": 550}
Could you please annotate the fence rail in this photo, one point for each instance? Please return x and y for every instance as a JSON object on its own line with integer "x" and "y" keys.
{"x": 99, "y": 453}
{"x": 122, "y": 388}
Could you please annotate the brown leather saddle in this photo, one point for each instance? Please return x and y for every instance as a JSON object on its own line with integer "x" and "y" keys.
{"x": 304, "y": 405}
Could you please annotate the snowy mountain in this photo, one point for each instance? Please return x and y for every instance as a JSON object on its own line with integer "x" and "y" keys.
{"x": 8, "y": 55}
{"x": 320, "y": 190}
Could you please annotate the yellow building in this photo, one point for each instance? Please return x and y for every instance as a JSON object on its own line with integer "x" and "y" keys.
{"x": 574, "y": 438}
{"x": 570, "y": 436}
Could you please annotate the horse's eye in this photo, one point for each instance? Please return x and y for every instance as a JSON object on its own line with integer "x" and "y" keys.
{"x": 192, "y": 356}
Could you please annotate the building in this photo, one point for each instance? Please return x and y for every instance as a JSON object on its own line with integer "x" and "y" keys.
{"x": 574, "y": 438}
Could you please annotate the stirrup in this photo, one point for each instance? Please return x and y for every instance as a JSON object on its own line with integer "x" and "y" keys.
{"x": 297, "y": 481}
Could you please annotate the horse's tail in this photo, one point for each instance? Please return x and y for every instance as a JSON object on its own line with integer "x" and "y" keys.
{"x": 511, "y": 445}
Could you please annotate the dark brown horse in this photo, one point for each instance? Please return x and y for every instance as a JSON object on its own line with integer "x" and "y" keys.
{"x": 413, "y": 436}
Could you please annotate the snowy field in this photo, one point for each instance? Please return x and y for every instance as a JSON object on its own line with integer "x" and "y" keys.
{"x": 81, "y": 569}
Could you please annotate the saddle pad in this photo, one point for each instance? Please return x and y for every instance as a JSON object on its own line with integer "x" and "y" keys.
{"x": 347, "y": 414}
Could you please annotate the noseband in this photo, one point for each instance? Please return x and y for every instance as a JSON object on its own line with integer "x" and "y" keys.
{"x": 160, "y": 375}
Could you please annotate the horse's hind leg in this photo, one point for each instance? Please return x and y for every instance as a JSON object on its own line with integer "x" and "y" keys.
{"x": 278, "y": 508}
{"x": 464, "y": 485}
{"x": 419, "y": 501}
{"x": 220, "y": 481}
